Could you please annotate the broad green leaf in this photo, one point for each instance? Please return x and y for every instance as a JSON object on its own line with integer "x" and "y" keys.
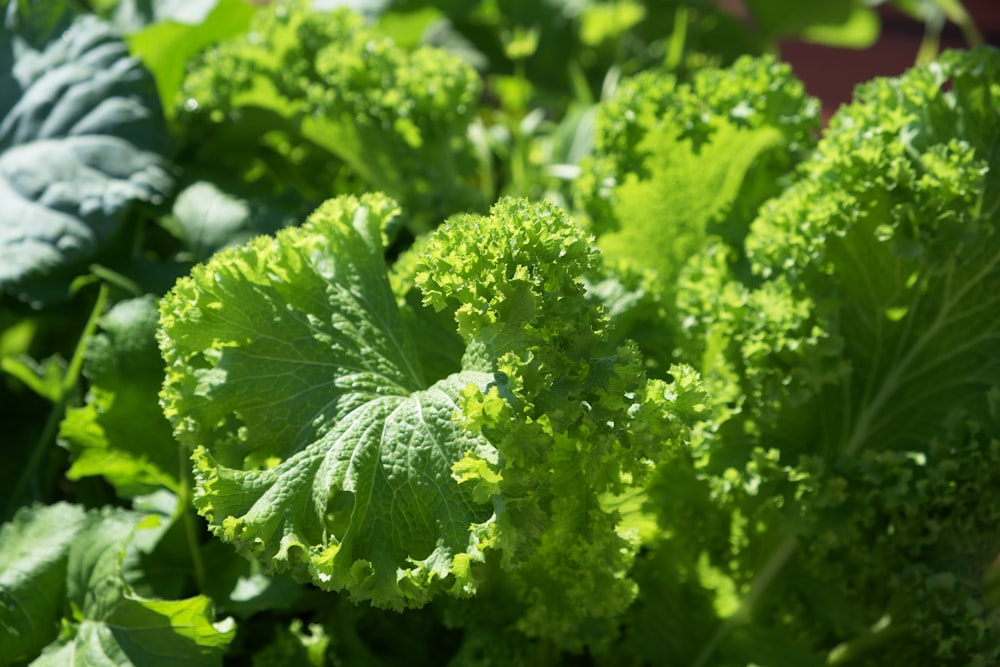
{"x": 63, "y": 569}
{"x": 81, "y": 141}
{"x": 120, "y": 433}
{"x": 33, "y": 553}
{"x": 145, "y": 632}
{"x": 109, "y": 625}
{"x": 319, "y": 448}
{"x": 206, "y": 218}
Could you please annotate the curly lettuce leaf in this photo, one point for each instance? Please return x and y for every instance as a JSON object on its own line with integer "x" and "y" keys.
{"x": 856, "y": 451}
{"x": 877, "y": 270}
{"x": 653, "y": 111}
{"x": 568, "y": 428}
{"x": 676, "y": 164}
{"x": 326, "y": 83}
{"x": 319, "y": 448}
{"x": 82, "y": 140}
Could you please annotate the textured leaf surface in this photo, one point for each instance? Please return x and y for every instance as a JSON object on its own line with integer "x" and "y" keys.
{"x": 81, "y": 140}
{"x": 176, "y": 34}
{"x": 398, "y": 119}
{"x": 861, "y": 374}
{"x": 323, "y": 453}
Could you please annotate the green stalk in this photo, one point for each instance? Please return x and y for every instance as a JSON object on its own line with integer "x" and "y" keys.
{"x": 859, "y": 647}
{"x": 957, "y": 14}
{"x": 66, "y": 387}
{"x": 185, "y": 506}
{"x": 760, "y": 584}
{"x": 675, "y": 45}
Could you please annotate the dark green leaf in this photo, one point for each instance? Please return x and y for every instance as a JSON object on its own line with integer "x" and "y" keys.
{"x": 81, "y": 140}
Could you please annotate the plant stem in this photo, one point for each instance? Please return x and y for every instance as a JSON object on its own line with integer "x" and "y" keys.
{"x": 185, "y": 506}
{"x": 760, "y": 584}
{"x": 66, "y": 387}
{"x": 959, "y": 15}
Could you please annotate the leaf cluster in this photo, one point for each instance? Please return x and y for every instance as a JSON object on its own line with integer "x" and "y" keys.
{"x": 493, "y": 333}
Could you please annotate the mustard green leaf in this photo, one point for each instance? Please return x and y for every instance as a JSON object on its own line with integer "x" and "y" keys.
{"x": 676, "y": 164}
{"x": 319, "y": 448}
{"x": 853, "y": 464}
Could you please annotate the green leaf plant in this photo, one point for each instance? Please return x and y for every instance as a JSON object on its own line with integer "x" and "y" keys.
{"x": 321, "y": 450}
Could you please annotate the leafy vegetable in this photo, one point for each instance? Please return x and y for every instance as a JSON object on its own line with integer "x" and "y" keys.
{"x": 398, "y": 120}
{"x": 34, "y": 549}
{"x": 859, "y": 443}
{"x": 121, "y": 433}
{"x": 66, "y": 564}
{"x": 709, "y": 385}
{"x": 676, "y": 162}
{"x": 348, "y": 455}
{"x": 356, "y": 473}
{"x": 81, "y": 141}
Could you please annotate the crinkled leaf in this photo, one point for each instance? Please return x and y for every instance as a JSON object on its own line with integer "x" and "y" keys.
{"x": 881, "y": 293}
{"x": 323, "y": 453}
{"x": 662, "y": 232}
{"x": 81, "y": 141}
{"x": 354, "y": 98}
{"x": 856, "y": 466}
{"x": 676, "y": 163}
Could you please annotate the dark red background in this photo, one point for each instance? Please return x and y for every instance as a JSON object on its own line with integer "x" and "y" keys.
{"x": 831, "y": 74}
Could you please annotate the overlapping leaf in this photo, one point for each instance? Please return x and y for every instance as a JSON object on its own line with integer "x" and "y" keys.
{"x": 324, "y": 453}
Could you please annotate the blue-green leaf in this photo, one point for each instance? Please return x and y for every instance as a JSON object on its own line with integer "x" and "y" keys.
{"x": 82, "y": 140}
